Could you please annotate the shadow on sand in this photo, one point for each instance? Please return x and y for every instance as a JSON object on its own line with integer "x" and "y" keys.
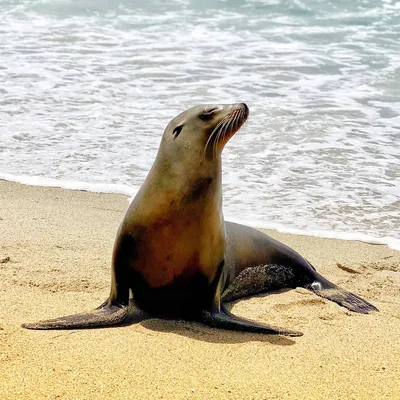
{"x": 197, "y": 331}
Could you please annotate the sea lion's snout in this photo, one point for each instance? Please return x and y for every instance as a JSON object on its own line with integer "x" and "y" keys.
{"x": 240, "y": 110}
{"x": 243, "y": 106}
{"x": 229, "y": 120}
{"x": 246, "y": 109}
{"x": 238, "y": 115}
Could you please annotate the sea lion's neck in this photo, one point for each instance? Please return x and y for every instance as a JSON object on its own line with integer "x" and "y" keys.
{"x": 190, "y": 179}
{"x": 170, "y": 189}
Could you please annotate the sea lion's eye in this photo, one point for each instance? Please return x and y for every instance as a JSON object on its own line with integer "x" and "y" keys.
{"x": 177, "y": 131}
{"x": 207, "y": 115}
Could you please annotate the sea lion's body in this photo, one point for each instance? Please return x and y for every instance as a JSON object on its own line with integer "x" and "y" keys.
{"x": 178, "y": 256}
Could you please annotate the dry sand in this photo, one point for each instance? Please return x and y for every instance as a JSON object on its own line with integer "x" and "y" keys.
{"x": 55, "y": 250}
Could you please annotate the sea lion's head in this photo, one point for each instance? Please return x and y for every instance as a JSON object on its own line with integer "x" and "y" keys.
{"x": 204, "y": 130}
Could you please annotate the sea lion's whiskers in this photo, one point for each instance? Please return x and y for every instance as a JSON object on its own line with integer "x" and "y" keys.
{"x": 225, "y": 128}
{"x": 232, "y": 123}
{"x": 228, "y": 126}
{"x": 237, "y": 120}
{"x": 215, "y": 133}
{"x": 229, "y": 123}
{"x": 215, "y": 136}
{"x": 221, "y": 132}
{"x": 209, "y": 139}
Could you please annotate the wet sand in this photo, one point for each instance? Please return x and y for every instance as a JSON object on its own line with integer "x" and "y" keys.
{"x": 55, "y": 251}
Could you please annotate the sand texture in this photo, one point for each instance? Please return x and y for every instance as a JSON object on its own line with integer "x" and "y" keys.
{"x": 55, "y": 251}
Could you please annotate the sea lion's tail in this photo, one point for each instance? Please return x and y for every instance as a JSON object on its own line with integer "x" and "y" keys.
{"x": 323, "y": 288}
{"x": 105, "y": 315}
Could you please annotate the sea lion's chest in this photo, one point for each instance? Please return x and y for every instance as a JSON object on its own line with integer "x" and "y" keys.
{"x": 177, "y": 252}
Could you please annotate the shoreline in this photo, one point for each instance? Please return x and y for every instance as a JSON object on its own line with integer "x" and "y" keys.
{"x": 55, "y": 252}
{"x": 130, "y": 192}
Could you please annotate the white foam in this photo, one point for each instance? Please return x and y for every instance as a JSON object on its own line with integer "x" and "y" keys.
{"x": 391, "y": 242}
{"x": 71, "y": 185}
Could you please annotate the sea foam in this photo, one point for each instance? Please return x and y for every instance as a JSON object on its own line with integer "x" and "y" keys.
{"x": 131, "y": 192}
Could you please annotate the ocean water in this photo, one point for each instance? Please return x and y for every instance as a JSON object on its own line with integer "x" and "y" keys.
{"x": 87, "y": 88}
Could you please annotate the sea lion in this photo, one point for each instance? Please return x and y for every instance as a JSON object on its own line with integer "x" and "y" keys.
{"x": 175, "y": 252}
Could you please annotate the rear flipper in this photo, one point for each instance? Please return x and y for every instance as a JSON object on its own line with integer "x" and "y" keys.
{"x": 226, "y": 320}
{"x": 323, "y": 288}
{"x": 105, "y": 315}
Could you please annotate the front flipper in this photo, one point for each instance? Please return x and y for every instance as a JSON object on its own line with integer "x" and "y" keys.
{"x": 224, "y": 319}
{"x": 105, "y": 315}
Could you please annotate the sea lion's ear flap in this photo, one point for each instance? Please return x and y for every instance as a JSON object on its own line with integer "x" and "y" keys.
{"x": 177, "y": 131}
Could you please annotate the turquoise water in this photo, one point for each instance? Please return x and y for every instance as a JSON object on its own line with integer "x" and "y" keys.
{"x": 87, "y": 87}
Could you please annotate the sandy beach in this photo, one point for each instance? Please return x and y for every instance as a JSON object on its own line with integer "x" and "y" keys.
{"x": 55, "y": 251}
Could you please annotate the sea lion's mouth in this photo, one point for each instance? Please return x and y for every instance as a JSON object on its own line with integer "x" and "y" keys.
{"x": 234, "y": 119}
